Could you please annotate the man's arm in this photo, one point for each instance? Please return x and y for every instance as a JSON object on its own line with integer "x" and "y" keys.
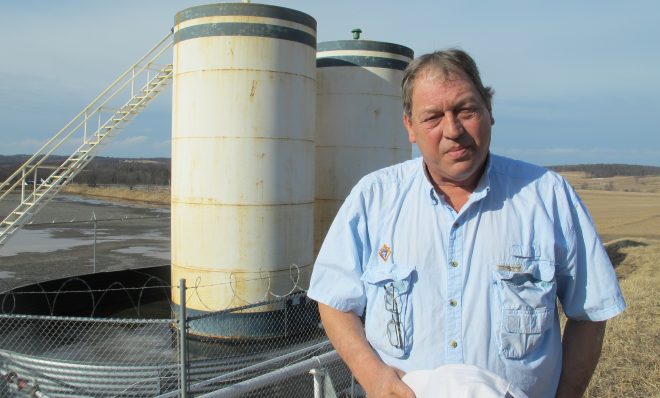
{"x": 581, "y": 345}
{"x": 345, "y": 331}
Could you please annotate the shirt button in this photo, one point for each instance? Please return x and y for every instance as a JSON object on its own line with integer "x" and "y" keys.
{"x": 453, "y": 302}
{"x": 453, "y": 344}
{"x": 454, "y": 263}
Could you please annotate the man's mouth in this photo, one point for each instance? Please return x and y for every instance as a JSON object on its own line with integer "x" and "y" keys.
{"x": 457, "y": 152}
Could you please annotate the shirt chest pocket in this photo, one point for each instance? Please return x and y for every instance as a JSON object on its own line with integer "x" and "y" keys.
{"x": 527, "y": 293}
{"x": 388, "y": 317}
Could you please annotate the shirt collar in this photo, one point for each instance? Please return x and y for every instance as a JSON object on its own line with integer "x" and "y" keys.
{"x": 483, "y": 186}
{"x": 427, "y": 186}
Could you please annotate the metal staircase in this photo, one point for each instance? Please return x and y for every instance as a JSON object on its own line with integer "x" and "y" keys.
{"x": 34, "y": 183}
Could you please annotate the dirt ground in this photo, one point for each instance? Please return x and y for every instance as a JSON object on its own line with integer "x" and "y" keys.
{"x": 60, "y": 241}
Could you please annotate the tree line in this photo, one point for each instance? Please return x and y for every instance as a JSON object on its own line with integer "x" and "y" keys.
{"x": 156, "y": 171}
{"x": 100, "y": 171}
{"x": 605, "y": 170}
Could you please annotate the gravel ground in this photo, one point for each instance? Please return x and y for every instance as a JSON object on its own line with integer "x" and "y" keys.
{"x": 60, "y": 240}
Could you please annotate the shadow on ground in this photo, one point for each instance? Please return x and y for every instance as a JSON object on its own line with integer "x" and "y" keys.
{"x": 617, "y": 254}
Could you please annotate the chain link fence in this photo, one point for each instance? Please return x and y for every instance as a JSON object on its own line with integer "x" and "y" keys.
{"x": 129, "y": 342}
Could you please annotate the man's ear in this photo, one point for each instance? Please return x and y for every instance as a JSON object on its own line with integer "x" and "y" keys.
{"x": 407, "y": 123}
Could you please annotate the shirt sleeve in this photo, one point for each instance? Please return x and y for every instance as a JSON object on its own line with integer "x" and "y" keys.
{"x": 588, "y": 288}
{"x": 336, "y": 275}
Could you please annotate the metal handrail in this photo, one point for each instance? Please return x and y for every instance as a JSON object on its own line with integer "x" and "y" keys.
{"x": 43, "y": 153}
{"x": 68, "y": 169}
{"x": 252, "y": 368}
{"x": 139, "y": 96}
{"x": 244, "y": 387}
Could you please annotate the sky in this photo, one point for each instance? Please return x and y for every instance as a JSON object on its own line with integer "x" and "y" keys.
{"x": 575, "y": 81}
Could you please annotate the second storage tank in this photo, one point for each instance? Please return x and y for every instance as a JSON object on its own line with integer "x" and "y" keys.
{"x": 358, "y": 119}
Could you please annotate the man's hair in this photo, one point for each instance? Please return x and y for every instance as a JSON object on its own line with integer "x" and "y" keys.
{"x": 447, "y": 61}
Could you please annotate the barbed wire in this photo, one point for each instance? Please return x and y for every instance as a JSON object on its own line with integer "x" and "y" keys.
{"x": 91, "y": 220}
{"x": 236, "y": 297}
{"x": 9, "y": 299}
{"x": 167, "y": 286}
{"x": 112, "y": 287}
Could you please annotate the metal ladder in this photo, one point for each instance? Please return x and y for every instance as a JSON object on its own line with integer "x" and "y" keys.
{"x": 97, "y": 123}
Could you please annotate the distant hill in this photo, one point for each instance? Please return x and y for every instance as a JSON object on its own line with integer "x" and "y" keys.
{"x": 102, "y": 170}
{"x": 156, "y": 171}
{"x": 605, "y": 170}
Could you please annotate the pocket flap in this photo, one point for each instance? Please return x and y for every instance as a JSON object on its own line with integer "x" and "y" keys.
{"x": 378, "y": 275}
{"x": 526, "y": 251}
{"x": 542, "y": 270}
{"x": 526, "y": 321}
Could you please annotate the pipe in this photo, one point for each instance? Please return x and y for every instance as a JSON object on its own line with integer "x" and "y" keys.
{"x": 237, "y": 390}
{"x": 183, "y": 341}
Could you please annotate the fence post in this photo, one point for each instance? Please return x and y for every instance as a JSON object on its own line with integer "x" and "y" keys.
{"x": 319, "y": 382}
{"x": 183, "y": 341}
{"x": 94, "y": 258}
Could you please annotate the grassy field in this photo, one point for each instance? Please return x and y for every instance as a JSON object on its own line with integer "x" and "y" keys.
{"x": 581, "y": 181}
{"x": 630, "y": 361}
{"x": 157, "y": 195}
{"x": 627, "y": 215}
{"x": 626, "y": 211}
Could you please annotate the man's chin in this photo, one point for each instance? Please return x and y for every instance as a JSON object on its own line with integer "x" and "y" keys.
{"x": 462, "y": 173}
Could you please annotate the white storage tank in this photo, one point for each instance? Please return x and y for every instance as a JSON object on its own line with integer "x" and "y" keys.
{"x": 358, "y": 119}
{"x": 242, "y": 162}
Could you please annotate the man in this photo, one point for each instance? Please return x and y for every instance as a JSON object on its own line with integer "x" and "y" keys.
{"x": 459, "y": 257}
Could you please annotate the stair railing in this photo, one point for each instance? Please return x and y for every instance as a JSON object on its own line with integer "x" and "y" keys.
{"x": 95, "y": 107}
{"x": 30, "y": 203}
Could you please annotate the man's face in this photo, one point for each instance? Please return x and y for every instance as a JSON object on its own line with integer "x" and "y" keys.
{"x": 451, "y": 125}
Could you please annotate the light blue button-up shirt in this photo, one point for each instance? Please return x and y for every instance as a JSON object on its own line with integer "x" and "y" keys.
{"x": 478, "y": 286}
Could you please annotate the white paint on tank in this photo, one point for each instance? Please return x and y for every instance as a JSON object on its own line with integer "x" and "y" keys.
{"x": 358, "y": 122}
{"x": 242, "y": 161}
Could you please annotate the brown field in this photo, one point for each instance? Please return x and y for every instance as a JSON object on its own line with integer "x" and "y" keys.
{"x": 630, "y": 361}
{"x": 626, "y": 211}
{"x": 621, "y": 183}
{"x": 152, "y": 195}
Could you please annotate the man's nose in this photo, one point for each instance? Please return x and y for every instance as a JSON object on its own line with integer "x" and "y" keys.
{"x": 453, "y": 127}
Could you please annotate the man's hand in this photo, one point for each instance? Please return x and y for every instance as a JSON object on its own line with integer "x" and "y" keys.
{"x": 346, "y": 334}
{"x": 581, "y": 345}
{"x": 387, "y": 383}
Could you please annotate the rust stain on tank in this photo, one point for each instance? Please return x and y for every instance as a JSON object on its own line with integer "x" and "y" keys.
{"x": 260, "y": 188}
{"x": 254, "y": 88}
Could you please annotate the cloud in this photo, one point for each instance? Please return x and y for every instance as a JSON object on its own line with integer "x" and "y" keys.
{"x": 130, "y": 142}
{"x": 160, "y": 145}
{"x": 139, "y": 146}
{"x": 25, "y": 146}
